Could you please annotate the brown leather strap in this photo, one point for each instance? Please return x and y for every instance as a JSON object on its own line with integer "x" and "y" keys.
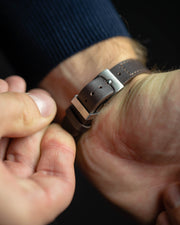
{"x": 128, "y": 69}
{"x": 93, "y": 96}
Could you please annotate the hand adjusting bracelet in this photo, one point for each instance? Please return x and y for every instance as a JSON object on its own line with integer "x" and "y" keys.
{"x": 86, "y": 105}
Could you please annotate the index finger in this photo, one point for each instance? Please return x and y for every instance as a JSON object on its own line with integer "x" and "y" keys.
{"x": 55, "y": 171}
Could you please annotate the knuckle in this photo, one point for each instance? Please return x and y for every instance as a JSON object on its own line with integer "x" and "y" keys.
{"x": 27, "y": 116}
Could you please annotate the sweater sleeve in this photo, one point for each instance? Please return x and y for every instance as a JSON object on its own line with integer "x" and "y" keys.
{"x": 39, "y": 34}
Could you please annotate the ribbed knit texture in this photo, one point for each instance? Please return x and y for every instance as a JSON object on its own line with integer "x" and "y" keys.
{"x": 39, "y": 34}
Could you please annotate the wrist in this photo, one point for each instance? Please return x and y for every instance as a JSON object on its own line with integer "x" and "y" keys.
{"x": 70, "y": 76}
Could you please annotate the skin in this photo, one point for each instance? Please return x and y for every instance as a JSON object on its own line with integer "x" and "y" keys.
{"x": 36, "y": 159}
{"x": 171, "y": 199}
{"x": 137, "y": 157}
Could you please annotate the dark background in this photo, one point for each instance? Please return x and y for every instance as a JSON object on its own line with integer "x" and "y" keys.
{"x": 157, "y": 28}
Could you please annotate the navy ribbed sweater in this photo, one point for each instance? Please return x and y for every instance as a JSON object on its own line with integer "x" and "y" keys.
{"x": 39, "y": 34}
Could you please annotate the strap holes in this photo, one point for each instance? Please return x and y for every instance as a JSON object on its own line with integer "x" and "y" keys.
{"x": 91, "y": 93}
{"x": 119, "y": 73}
{"x": 100, "y": 87}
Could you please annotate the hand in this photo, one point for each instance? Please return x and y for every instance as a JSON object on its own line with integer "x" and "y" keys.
{"x": 131, "y": 151}
{"x": 133, "y": 160}
{"x": 37, "y": 175}
{"x": 171, "y": 197}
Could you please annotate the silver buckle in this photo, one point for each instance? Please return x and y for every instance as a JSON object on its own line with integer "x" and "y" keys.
{"x": 111, "y": 80}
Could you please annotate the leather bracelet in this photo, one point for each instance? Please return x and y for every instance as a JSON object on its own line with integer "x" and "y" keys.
{"x": 86, "y": 105}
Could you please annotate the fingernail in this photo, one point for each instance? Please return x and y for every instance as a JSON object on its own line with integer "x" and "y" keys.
{"x": 44, "y": 102}
{"x": 172, "y": 196}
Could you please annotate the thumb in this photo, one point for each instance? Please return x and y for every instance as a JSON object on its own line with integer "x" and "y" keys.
{"x": 25, "y": 113}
